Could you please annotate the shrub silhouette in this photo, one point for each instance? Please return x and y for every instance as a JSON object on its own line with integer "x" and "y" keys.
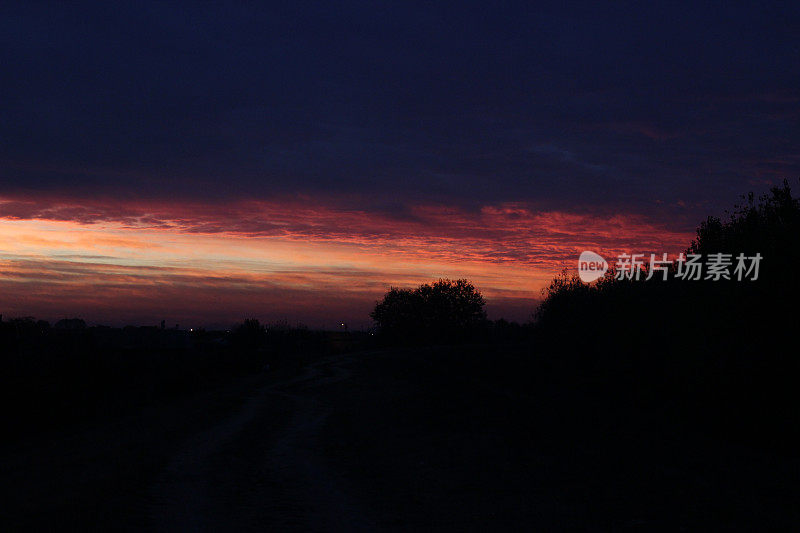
{"x": 444, "y": 311}
{"x": 770, "y": 227}
{"x": 250, "y": 333}
{"x": 720, "y": 348}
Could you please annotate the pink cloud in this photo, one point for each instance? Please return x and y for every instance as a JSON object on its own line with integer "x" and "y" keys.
{"x": 294, "y": 254}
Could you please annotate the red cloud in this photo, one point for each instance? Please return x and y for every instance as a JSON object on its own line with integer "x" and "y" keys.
{"x": 332, "y": 252}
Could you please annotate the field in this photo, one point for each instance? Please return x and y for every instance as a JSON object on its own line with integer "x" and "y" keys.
{"x": 397, "y": 439}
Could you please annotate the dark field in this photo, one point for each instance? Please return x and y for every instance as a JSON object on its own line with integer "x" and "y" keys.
{"x": 423, "y": 439}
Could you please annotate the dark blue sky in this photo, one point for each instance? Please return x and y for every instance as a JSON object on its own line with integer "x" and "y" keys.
{"x": 665, "y": 109}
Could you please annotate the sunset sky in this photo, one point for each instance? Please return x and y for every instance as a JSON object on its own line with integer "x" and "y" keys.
{"x": 206, "y": 164}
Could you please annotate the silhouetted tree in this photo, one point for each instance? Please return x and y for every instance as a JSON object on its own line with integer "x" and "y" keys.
{"x": 770, "y": 226}
{"x": 723, "y": 346}
{"x": 250, "y": 334}
{"x": 444, "y": 311}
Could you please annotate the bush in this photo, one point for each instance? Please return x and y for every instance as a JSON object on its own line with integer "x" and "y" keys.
{"x": 445, "y": 311}
{"x": 723, "y": 348}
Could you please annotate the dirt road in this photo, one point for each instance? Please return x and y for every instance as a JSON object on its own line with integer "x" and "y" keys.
{"x": 258, "y": 468}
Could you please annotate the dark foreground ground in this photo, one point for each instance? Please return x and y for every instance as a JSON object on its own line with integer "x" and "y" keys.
{"x": 396, "y": 440}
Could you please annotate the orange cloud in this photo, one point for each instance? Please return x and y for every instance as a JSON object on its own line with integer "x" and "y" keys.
{"x": 287, "y": 256}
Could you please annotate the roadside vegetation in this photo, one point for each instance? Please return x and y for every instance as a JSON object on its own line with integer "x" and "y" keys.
{"x": 719, "y": 354}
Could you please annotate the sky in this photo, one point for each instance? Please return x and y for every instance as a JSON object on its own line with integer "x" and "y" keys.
{"x": 202, "y": 163}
